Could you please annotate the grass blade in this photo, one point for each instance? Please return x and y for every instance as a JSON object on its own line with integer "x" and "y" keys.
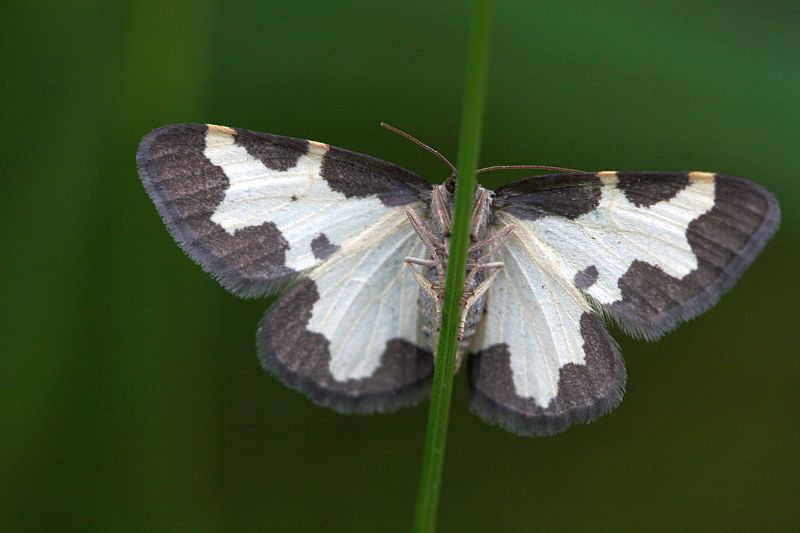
{"x": 469, "y": 143}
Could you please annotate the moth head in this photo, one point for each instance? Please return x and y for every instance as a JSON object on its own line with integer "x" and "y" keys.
{"x": 450, "y": 182}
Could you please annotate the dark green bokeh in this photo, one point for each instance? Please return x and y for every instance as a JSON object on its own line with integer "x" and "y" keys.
{"x": 131, "y": 395}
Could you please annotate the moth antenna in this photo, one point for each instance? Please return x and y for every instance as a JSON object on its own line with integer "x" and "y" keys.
{"x": 450, "y": 182}
{"x": 528, "y": 167}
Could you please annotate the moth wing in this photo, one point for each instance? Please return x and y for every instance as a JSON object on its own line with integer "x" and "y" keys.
{"x": 542, "y": 359}
{"x": 255, "y": 209}
{"x": 347, "y": 335}
{"x": 650, "y": 249}
{"x": 646, "y": 249}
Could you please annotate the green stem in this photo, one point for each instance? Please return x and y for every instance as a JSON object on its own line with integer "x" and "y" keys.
{"x": 469, "y": 143}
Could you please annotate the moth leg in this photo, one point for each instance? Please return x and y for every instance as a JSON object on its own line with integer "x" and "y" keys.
{"x": 495, "y": 239}
{"x": 487, "y": 266}
{"x": 483, "y": 286}
{"x": 428, "y": 237}
{"x": 431, "y": 241}
{"x": 474, "y": 296}
{"x": 422, "y": 262}
{"x": 479, "y": 214}
{"x": 426, "y": 285}
{"x": 441, "y": 211}
{"x": 477, "y": 266}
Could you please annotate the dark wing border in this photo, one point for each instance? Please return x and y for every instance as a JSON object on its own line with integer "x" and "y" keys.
{"x": 726, "y": 241}
{"x": 585, "y": 391}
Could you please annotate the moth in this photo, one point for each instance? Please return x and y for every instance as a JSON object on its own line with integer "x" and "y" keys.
{"x": 358, "y": 248}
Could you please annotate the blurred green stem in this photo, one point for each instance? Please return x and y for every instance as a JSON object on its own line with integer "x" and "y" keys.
{"x": 469, "y": 143}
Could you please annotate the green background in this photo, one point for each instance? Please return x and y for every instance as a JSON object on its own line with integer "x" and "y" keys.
{"x": 131, "y": 397}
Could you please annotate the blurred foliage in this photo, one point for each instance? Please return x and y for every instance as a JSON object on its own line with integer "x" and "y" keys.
{"x": 132, "y": 398}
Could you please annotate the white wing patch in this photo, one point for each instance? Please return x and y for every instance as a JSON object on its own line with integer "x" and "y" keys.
{"x": 258, "y": 194}
{"x": 367, "y": 297}
{"x": 618, "y": 232}
{"x": 536, "y": 314}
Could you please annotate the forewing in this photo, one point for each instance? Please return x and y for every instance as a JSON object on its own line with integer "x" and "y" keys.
{"x": 255, "y": 209}
{"x": 347, "y": 335}
{"x": 542, "y": 360}
{"x": 651, "y": 249}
